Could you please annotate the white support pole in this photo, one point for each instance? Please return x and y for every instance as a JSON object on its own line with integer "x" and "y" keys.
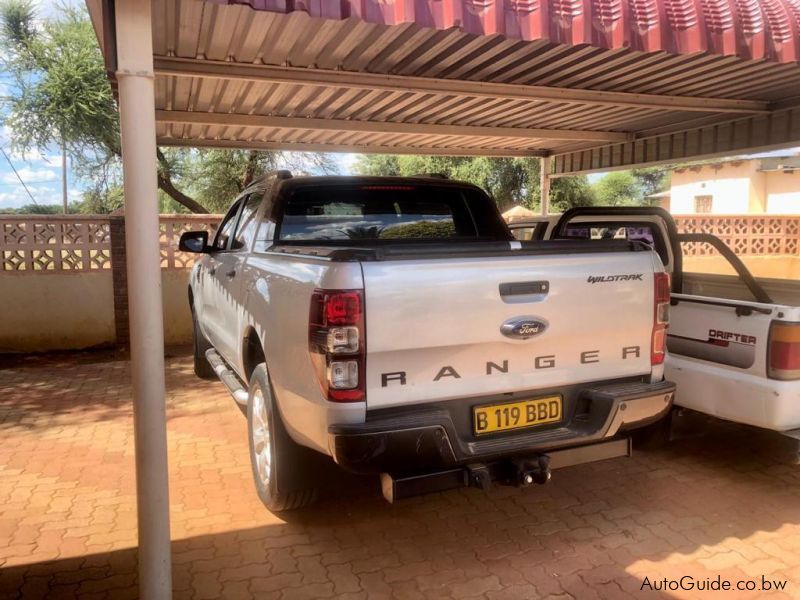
{"x": 544, "y": 183}
{"x": 138, "y": 129}
{"x": 64, "y": 200}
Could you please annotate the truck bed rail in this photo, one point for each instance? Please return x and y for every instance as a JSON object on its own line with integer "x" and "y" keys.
{"x": 393, "y": 251}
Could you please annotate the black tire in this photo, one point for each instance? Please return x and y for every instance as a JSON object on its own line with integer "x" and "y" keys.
{"x": 200, "y": 344}
{"x": 287, "y": 485}
{"x": 654, "y": 435}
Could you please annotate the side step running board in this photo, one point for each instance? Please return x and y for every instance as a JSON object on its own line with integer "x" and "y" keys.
{"x": 227, "y": 376}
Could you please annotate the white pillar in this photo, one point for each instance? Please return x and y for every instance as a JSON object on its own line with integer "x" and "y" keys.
{"x": 138, "y": 128}
{"x": 544, "y": 183}
{"x": 64, "y": 199}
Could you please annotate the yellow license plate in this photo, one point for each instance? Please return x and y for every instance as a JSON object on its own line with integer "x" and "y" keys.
{"x": 516, "y": 415}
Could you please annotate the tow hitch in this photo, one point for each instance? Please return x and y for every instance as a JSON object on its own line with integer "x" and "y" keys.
{"x": 533, "y": 471}
{"x": 520, "y": 471}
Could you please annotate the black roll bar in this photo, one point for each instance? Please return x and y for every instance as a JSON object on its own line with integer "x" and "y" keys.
{"x": 741, "y": 270}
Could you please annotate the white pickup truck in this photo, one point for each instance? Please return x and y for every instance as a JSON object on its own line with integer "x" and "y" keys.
{"x": 395, "y": 325}
{"x": 734, "y": 341}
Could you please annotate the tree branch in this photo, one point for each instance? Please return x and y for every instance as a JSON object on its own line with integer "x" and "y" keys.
{"x": 250, "y": 168}
{"x": 165, "y": 185}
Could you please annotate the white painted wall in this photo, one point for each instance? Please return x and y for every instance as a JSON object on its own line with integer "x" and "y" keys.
{"x": 733, "y": 188}
{"x": 736, "y": 188}
{"x": 783, "y": 193}
{"x": 70, "y": 311}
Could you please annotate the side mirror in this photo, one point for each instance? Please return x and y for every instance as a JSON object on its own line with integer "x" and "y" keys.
{"x": 194, "y": 241}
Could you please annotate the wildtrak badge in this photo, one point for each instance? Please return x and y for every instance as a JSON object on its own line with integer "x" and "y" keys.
{"x": 612, "y": 278}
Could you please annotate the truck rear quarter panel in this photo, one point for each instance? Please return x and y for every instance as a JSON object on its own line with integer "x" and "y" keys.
{"x": 279, "y": 289}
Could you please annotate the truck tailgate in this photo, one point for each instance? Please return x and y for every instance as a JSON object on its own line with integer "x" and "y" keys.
{"x": 434, "y": 325}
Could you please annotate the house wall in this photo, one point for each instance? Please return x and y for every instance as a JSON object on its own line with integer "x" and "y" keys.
{"x": 736, "y": 188}
{"x": 783, "y": 192}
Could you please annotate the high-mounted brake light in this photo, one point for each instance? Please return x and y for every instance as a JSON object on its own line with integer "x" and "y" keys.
{"x": 384, "y": 188}
{"x": 337, "y": 343}
{"x": 784, "y": 351}
{"x": 661, "y": 298}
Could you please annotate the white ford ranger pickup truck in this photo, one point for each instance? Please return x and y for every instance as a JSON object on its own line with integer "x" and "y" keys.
{"x": 396, "y": 326}
{"x": 734, "y": 340}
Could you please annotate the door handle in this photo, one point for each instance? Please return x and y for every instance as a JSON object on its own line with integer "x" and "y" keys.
{"x": 524, "y": 292}
{"x": 524, "y": 288}
{"x": 231, "y": 274}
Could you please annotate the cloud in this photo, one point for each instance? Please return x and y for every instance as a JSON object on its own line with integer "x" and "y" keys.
{"x": 44, "y": 195}
{"x": 34, "y": 156}
{"x": 29, "y": 175}
{"x": 50, "y": 156}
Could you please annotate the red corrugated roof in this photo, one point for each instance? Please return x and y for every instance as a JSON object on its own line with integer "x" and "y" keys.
{"x": 750, "y": 29}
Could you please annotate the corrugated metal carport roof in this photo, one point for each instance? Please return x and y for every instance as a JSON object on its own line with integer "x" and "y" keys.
{"x": 765, "y": 29}
{"x": 513, "y": 77}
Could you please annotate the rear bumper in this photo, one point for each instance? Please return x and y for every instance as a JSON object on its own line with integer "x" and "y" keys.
{"x": 431, "y": 437}
{"x": 736, "y": 395}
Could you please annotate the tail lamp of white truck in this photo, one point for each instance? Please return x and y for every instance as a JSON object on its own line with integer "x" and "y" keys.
{"x": 661, "y": 299}
{"x": 784, "y": 351}
{"x": 337, "y": 343}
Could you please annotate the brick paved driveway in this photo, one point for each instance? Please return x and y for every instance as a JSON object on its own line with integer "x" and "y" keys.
{"x": 719, "y": 505}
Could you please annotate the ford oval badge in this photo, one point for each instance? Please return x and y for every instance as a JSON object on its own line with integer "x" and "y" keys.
{"x": 522, "y": 328}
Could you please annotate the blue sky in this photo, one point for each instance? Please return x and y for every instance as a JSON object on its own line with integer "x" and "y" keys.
{"x": 40, "y": 171}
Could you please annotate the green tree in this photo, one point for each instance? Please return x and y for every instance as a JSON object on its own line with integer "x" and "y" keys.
{"x": 652, "y": 180}
{"x": 421, "y": 230}
{"x": 101, "y": 200}
{"x": 619, "y": 188}
{"x": 216, "y": 177}
{"x": 380, "y": 164}
{"x": 34, "y": 209}
{"x": 570, "y": 192}
{"x": 509, "y": 180}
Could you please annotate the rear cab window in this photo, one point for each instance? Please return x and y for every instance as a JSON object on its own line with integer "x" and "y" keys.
{"x": 354, "y": 214}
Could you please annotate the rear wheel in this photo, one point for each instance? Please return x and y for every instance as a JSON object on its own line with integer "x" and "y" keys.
{"x": 200, "y": 344}
{"x": 281, "y": 467}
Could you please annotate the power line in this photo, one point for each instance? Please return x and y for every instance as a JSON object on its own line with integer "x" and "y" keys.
{"x": 13, "y": 168}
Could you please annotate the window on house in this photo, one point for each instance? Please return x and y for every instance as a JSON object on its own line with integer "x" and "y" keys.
{"x": 702, "y": 204}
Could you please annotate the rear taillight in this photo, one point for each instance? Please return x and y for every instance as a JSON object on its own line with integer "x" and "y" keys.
{"x": 661, "y": 297}
{"x": 337, "y": 343}
{"x": 784, "y": 351}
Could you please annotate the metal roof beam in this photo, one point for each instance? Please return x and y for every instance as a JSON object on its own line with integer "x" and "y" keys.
{"x": 778, "y": 130}
{"x": 390, "y": 127}
{"x": 183, "y": 67}
{"x": 364, "y": 149}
